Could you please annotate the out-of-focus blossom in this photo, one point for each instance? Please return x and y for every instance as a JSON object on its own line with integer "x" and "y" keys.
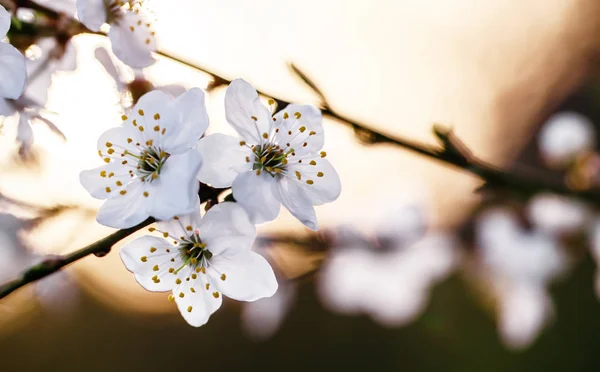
{"x": 131, "y": 33}
{"x": 151, "y": 161}
{"x": 557, "y": 214}
{"x": 58, "y": 292}
{"x": 564, "y": 136}
{"x": 13, "y": 73}
{"x": 390, "y": 282}
{"x": 212, "y": 257}
{"x": 277, "y": 160}
{"x": 64, "y": 6}
{"x": 518, "y": 265}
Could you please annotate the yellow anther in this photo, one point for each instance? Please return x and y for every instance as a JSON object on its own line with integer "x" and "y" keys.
{"x": 108, "y": 189}
{"x": 144, "y": 258}
{"x": 168, "y": 250}
{"x": 129, "y": 140}
{"x": 108, "y": 144}
{"x": 312, "y": 133}
{"x": 146, "y": 193}
{"x": 189, "y": 309}
{"x": 155, "y": 277}
{"x": 297, "y": 115}
{"x": 189, "y": 228}
{"x": 254, "y": 118}
{"x": 155, "y": 268}
{"x": 141, "y": 112}
{"x": 194, "y": 260}
{"x": 271, "y": 101}
{"x": 198, "y": 269}
{"x": 323, "y": 154}
{"x": 154, "y": 175}
{"x": 177, "y": 281}
{"x": 171, "y": 270}
{"x": 123, "y": 192}
{"x": 312, "y": 162}
{"x": 304, "y": 144}
{"x": 171, "y": 298}
{"x": 156, "y": 116}
{"x": 194, "y": 276}
{"x": 124, "y": 117}
{"x": 289, "y": 133}
{"x": 181, "y": 294}
{"x": 141, "y": 128}
{"x": 157, "y": 281}
{"x": 258, "y": 172}
{"x": 242, "y": 143}
{"x": 192, "y": 290}
{"x": 107, "y": 160}
{"x": 147, "y": 41}
{"x": 103, "y": 174}
{"x": 216, "y": 294}
{"x": 166, "y": 234}
{"x": 176, "y": 218}
{"x": 298, "y": 175}
{"x": 285, "y": 115}
{"x": 302, "y": 128}
{"x": 152, "y": 229}
{"x": 320, "y": 174}
{"x": 310, "y": 182}
{"x": 263, "y": 159}
{"x": 111, "y": 174}
{"x": 152, "y": 249}
{"x": 156, "y": 128}
{"x": 223, "y": 276}
{"x": 203, "y": 270}
{"x": 284, "y": 161}
{"x": 149, "y": 143}
{"x": 207, "y": 286}
{"x": 247, "y": 159}
{"x": 132, "y": 28}
{"x": 124, "y": 162}
{"x": 119, "y": 183}
{"x": 163, "y": 131}
{"x": 265, "y": 135}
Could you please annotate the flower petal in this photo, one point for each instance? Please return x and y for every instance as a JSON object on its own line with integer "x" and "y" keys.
{"x": 227, "y": 230}
{"x": 12, "y": 71}
{"x": 196, "y": 298}
{"x": 246, "y": 276}
{"x": 132, "y": 40}
{"x": 175, "y": 192}
{"x": 184, "y": 225}
{"x": 224, "y": 159}
{"x": 149, "y": 258}
{"x": 124, "y": 211}
{"x": 320, "y": 181}
{"x": 114, "y": 142}
{"x": 293, "y": 196}
{"x": 105, "y": 181}
{"x": 185, "y": 122}
{"x": 254, "y": 192}
{"x": 244, "y": 111}
{"x": 4, "y": 22}
{"x": 7, "y": 107}
{"x": 301, "y": 128}
{"x": 92, "y": 13}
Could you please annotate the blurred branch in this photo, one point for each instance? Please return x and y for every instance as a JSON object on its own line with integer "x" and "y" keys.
{"x": 52, "y": 264}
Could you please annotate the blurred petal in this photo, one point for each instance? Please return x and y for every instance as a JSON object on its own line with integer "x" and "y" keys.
{"x": 245, "y": 112}
{"x": 92, "y": 13}
{"x": 13, "y": 72}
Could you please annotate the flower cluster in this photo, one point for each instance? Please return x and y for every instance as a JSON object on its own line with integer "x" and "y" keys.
{"x": 153, "y": 164}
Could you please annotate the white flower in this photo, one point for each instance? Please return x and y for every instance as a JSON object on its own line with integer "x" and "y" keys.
{"x": 131, "y": 33}
{"x": 276, "y": 161}
{"x": 211, "y": 258}
{"x": 151, "y": 164}
{"x": 519, "y": 265}
{"x": 564, "y": 136}
{"x": 557, "y": 214}
{"x": 12, "y": 63}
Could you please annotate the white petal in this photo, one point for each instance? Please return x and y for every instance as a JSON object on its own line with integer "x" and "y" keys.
{"x": 24, "y": 132}
{"x": 197, "y": 305}
{"x": 300, "y": 126}
{"x": 247, "y": 276}
{"x": 114, "y": 142}
{"x": 254, "y": 193}
{"x": 132, "y": 43}
{"x": 13, "y": 72}
{"x": 184, "y": 225}
{"x": 224, "y": 159}
{"x": 106, "y": 61}
{"x": 149, "y": 256}
{"x": 185, "y": 122}
{"x": 242, "y": 106}
{"x": 112, "y": 176}
{"x": 124, "y": 211}
{"x": 92, "y": 13}
{"x": 325, "y": 187}
{"x": 292, "y": 195}
{"x": 4, "y": 22}
{"x": 7, "y": 107}
{"x": 175, "y": 192}
{"x": 227, "y": 230}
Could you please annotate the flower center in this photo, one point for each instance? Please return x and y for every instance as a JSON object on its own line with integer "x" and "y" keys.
{"x": 270, "y": 158}
{"x": 194, "y": 253}
{"x": 150, "y": 162}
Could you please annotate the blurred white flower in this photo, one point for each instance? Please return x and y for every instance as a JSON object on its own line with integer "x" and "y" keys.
{"x": 276, "y": 161}
{"x": 131, "y": 33}
{"x": 564, "y": 136}
{"x": 65, "y": 6}
{"x": 557, "y": 214}
{"x": 519, "y": 265}
{"x": 391, "y": 283}
{"x": 151, "y": 161}
{"x": 212, "y": 257}
{"x": 13, "y": 73}
{"x": 58, "y": 292}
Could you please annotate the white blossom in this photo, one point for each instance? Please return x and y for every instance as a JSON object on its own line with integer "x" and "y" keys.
{"x": 519, "y": 265}
{"x": 203, "y": 260}
{"x": 13, "y": 73}
{"x": 131, "y": 33}
{"x": 564, "y": 136}
{"x": 151, "y": 162}
{"x": 557, "y": 214}
{"x": 278, "y": 160}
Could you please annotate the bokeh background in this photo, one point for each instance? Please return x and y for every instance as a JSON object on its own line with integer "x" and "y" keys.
{"x": 494, "y": 71}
